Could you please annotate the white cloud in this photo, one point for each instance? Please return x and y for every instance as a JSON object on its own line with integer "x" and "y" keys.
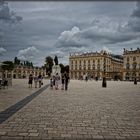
{"x": 28, "y": 54}
{"x": 66, "y": 35}
{"x": 60, "y": 28}
{"x": 2, "y": 50}
{"x": 106, "y": 49}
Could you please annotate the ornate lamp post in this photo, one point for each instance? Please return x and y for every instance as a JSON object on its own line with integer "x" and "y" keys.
{"x": 104, "y": 84}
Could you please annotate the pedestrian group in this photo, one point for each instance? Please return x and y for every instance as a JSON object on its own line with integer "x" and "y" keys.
{"x": 38, "y": 80}
{"x": 57, "y": 80}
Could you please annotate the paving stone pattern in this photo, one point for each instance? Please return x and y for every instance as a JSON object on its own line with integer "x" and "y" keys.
{"x": 85, "y": 111}
{"x": 4, "y": 115}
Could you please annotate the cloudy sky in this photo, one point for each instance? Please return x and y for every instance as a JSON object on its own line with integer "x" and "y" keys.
{"x": 33, "y": 30}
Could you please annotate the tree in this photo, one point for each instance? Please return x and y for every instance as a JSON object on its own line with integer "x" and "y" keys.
{"x": 49, "y": 64}
{"x": 16, "y": 61}
{"x": 56, "y": 60}
{"x": 31, "y": 64}
{"x": 8, "y": 65}
{"x": 62, "y": 67}
{"x": 67, "y": 68}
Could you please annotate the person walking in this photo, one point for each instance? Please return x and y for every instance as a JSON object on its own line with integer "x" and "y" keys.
{"x": 40, "y": 80}
{"x": 66, "y": 81}
{"x": 51, "y": 82}
{"x": 35, "y": 80}
{"x": 30, "y": 82}
{"x": 62, "y": 81}
{"x": 57, "y": 79}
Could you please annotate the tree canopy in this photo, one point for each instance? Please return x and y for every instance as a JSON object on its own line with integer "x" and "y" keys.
{"x": 49, "y": 64}
{"x": 25, "y": 63}
{"x": 8, "y": 65}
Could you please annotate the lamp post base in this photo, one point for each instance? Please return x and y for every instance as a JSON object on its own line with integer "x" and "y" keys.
{"x": 135, "y": 81}
{"x": 104, "y": 84}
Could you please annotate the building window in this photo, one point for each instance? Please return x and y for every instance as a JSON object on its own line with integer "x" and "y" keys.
{"x": 93, "y": 66}
{"x": 98, "y": 66}
{"x": 71, "y": 67}
{"x": 134, "y": 65}
{"x": 127, "y": 76}
{"x": 127, "y": 66}
{"x": 71, "y": 62}
{"x": 134, "y": 58}
{"x": 80, "y": 62}
{"x": 127, "y": 58}
{"x": 84, "y": 62}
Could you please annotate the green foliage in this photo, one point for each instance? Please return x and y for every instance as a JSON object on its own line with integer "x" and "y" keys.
{"x": 62, "y": 67}
{"x": 16, "y": 61}
{"x": 26, "y": 63}
{"x": 49, "y": 64}
{"x": 67, "y": 68}
{"x": 8, "y": 65}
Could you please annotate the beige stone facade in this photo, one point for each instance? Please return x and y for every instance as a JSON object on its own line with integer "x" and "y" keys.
{"x": 95, "y": 64}
{"x": 131, "y": 65}
{"x": 24, "y": 72}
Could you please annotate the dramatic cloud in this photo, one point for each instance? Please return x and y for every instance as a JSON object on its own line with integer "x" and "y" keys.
{"x": 70, "y": 38}
{"x": 101, "y": 32}
{"x": 136, "y": 12}
{"x": 60, "y": 28}
{"x": 2, "y": 50}
{"x": 28, "y": 54}
{"x": 7, "y": 15}
{"x": 134, "y": 22}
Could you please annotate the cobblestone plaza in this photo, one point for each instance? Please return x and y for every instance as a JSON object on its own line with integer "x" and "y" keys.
{"x": 85, "y": 111}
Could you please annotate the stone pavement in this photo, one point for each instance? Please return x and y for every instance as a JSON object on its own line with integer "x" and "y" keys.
{"x": 85, "y": 111}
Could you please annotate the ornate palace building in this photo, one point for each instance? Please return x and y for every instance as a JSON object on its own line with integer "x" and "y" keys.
{"x": 24, "y": 71}
{"x": 131, "y": 67}
{"x": 21, "y": 71}
{"x": 96, "y": 64}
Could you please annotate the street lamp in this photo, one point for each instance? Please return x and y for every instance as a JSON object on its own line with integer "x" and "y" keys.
{"x": 104, "y": 84}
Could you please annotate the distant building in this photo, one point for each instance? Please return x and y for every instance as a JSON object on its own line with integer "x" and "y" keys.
{"x": 95, "y": 64}
{"x": 131, "y": 65}
{"x": 21, "y": 71}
